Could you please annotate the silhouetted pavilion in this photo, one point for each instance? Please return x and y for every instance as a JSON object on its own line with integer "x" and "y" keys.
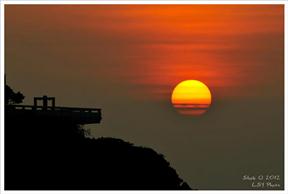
{"x": 44, "y": 111}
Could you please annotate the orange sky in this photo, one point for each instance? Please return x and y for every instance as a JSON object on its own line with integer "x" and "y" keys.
{"x": 231, "y": 48}
{"x": 126, "y": 59}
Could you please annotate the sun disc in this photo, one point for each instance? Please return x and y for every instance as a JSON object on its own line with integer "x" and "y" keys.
{"x": 191, "y": 97}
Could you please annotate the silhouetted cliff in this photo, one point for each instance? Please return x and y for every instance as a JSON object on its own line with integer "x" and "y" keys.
{"x": 47, "y": 153}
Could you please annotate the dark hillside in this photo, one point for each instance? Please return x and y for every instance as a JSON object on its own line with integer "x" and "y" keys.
{"x": 52, "y": 153}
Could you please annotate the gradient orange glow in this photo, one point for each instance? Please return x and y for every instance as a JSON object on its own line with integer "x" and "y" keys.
{"x": 127, "y": 59}
{"x": 191, "y": 97}
{"x": 151, "y": 47}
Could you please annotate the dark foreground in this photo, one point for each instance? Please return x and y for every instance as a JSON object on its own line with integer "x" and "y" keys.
{"x": 53, "y": 154}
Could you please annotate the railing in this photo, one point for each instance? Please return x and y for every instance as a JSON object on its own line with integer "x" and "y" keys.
{"x": 50, "y": 108}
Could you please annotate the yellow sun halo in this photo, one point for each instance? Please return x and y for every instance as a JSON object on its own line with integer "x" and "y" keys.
{"x": 191, "y": 97}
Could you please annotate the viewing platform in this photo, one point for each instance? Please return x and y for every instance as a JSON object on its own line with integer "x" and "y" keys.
{"x": 72, "y": 114}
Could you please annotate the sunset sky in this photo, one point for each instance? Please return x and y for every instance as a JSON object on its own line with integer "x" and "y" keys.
{"x": 126, "y": 59}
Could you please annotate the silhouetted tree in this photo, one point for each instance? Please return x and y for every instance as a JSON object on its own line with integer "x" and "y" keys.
{"x": 12, "y": 97}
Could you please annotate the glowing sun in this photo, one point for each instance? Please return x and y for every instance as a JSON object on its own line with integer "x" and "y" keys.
{"x": 191, "y": 97}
